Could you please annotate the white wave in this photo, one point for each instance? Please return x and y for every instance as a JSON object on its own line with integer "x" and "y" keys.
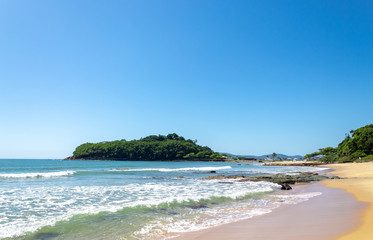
{"x": 67, "y": 201}
{"x": 174, "y": 169}
{"x": 35, "y": 175}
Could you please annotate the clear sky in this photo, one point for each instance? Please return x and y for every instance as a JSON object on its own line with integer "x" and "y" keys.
{"x": 245, "y": 77}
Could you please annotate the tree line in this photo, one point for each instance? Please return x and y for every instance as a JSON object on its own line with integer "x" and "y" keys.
{"x": 357, "y": 145}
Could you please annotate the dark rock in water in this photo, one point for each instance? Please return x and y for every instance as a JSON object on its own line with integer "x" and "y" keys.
{"x": 212, "y": 171}
{"x": 157, "y": 177}
{"x": 180, "y": 177}
{"x": 285, "y": 186}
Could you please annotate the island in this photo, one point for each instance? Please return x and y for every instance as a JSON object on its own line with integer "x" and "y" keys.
{"x": 171, "y": 147}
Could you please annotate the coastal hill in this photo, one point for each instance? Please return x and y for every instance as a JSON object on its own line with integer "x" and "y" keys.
{"x": 151, "y": 148}
{"x": 357, "y": 146}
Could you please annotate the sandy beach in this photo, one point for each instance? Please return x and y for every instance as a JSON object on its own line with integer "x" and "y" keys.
{"x": 344, "y": 212}
{"x": 324, "y": 217}
{"x": 359, "y": 182}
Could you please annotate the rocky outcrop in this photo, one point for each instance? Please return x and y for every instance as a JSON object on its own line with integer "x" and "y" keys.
{"x": 292, "y": 163}
{"x": 224, "y": 177}
{"x": 285, "y": 186}
{"x": 282, "y": 179}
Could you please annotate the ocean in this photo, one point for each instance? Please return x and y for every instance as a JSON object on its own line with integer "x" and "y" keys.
{"x": 56, "y": 199}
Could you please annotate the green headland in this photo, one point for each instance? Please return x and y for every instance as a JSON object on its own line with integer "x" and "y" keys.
{"x": 357, "y": 146}
{"x": 151, "y": 148}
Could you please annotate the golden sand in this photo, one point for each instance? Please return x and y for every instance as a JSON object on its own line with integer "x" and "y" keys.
{"x": 325, "y": 217}
{"x": 359, "y": 182}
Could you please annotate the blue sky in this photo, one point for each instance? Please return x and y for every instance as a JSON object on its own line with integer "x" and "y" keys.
{"x": 246, "y": 77}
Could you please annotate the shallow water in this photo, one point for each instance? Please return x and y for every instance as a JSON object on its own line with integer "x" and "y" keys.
{"x": 53, "y": 199}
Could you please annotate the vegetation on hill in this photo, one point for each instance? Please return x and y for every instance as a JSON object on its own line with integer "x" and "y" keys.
{"x": 153, "y": 147}
{"x": 357, "y": 146}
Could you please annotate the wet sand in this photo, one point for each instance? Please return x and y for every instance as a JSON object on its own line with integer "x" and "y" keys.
{"x": 359, "y": 182}
{"x": 324, "y": 217}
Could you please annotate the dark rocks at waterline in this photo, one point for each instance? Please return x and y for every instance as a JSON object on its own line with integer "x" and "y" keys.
{"x": 159, "y": 178}
{"x": 206, "y": 172}
{"x": 224, "y": 177}
{"x": 291, "y": 179}
{"x": 285, "y": 186}
{"x": 276, "y": 178}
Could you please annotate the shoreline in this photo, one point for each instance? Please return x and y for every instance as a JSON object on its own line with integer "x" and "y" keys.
{"x": 332, "y": 214}
{"x": 358, "y": 180}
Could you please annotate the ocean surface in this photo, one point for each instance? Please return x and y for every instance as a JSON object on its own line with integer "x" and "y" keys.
{"x": 55, "y": 199}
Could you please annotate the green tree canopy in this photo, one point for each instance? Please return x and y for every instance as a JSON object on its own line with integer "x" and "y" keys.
{"x": 153, "y": 147}
{"x": 357, "y": 144}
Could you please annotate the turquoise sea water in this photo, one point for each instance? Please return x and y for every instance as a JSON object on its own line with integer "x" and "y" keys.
{"x": 55, "y": 199}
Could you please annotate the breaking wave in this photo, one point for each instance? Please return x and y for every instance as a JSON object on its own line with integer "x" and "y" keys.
{"x": 37, "y": 175}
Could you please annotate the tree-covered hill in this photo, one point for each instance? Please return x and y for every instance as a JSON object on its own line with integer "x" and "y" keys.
{"x": 357, "y": 145}
{"x": 153, "y": 147}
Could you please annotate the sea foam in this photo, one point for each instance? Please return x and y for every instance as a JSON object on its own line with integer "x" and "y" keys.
{"x": 37, "y": 175}
{"x": 69, "y": 201}
{"x": 218, "y": 216}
